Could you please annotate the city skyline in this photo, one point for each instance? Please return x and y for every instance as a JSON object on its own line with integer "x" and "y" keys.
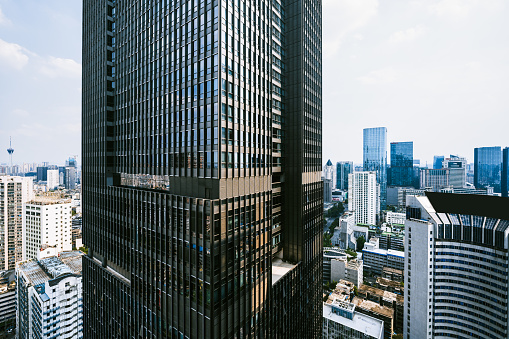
{"x": 368, "y": 53}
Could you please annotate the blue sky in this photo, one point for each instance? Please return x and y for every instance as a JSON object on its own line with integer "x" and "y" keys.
{"x": 432, "y": 71}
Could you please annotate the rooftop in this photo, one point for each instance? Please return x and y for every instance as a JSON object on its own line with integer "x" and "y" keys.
{"x": 470, "y": 204}
{"x": 373, "y": 307}
{"x": 48, "y": 200}
{"x": 360, "y": 322}
{"x": 388, "y": 296}
{"x": 280, "y": 268}
{"x": 39, "y": 272}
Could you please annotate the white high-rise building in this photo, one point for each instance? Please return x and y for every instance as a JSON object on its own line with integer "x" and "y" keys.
{"x": 49, "y": 297}
{"x": 363, "y": 196}
{"x": 46, "y": 224}
{"x": 53, "y": 179}
{"x": 14, "y": 192}
{"x": 328, "y": 172}
{"x": 456, "y": 261}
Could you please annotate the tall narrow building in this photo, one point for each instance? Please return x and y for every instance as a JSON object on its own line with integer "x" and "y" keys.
{"x": 487, "y": 167}
{"x": 202, "y": 192}
{"x": 402, "y": 164}
{"x": 375, "y": 158}
{"x": 343, "y": 169}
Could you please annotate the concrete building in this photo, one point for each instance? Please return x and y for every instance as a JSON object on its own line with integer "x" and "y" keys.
{"x": 392, "y": 274}
{"x": 46, "y": 224}
{"x": 456, "y": 281}
{"x": 342, "y": 269}
{"x": 457, "y": 171}
{"x": 7, "y": 302}
{"x": 377, "y": 311}
{"x": 391, "y": 241}
{"x": 340, "y": 320}
{"x": 386, "y": 299}
{"x": 49, "y": 297}
{"x": 327, "y": 190}
{"x": 14, "y": 192}
{"x": 328, "y": 255}
{"x": 364, "y": 197}
{"x": 396, "y": 196}
{"x": 329, "y": 173}
{"x": 53, "y": 179}
{"x": 395, "y": 218}
{"x": 375, "y": 258}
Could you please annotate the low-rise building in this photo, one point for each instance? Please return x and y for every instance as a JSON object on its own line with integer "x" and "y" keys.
{"x": 392, "y": 274}
{"x": 395, "y": 218}
{"x": 328, "y": 255}
{"x": 340, "y": 320}
{"x": 377, "y": 311}
{"x": 386, "y": 299}
{"x": 342, "y": 269}
{"x": 49, "y": 297}
{"x": 375, "y": 258}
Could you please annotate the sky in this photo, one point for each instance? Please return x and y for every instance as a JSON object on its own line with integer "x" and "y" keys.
{"x": 434, "y": 72}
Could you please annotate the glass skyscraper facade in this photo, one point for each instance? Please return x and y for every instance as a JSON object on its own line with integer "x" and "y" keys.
{"x": 438, "y": 161}
{"x": 505, "y": 172}
{"x": 375, "y": 158}
{"x": 487, "y": 167}
{"x": 402, "y": 163}
{"x": 343, "y": 168}
{"x": 202, "y": 192}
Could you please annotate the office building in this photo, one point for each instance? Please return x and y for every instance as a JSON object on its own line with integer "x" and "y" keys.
{"x": 364, "y": 197}
{"x": 438, "y": 161}
{"x": 396, "y": 196}
{"x": 456, "y": 261}
{"x": 46, "y": 224}
{"x": 375, "y": 158}
{"x": 52, "y": 179}
{"x": 488, "y": 167}
{"x": 7, "y": 302}
{"x": 457, "y": 171}
{"x": 42, "y": 173}
{"x": 435, "y": 180}
{"x": 49, "y": 297}
{"x": 14, "y": 192}
{"x": 395, "y": 218}
{"x": 327, "y": 190}
{"x": 329, "y": 173}
{"x": 505, "y": 172}
{"x": 375, "y": 258}
{"x": 330, "y": 254}
{"x": 343, "y": 169}
{"x": 202, "y": 218}
{"x": 402, "y": 167}
{"x": 342, "y": 269}
{"x": 341, "y": 320}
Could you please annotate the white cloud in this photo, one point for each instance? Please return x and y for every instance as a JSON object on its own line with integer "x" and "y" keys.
{"x": 12, "y": 55}
{"x": 344, "y": 17}
{"x": 381, "y": 76}
{"x": 407, "y": 35}
{"x": 3, "y": 18}
{"x": 59, "y": 67}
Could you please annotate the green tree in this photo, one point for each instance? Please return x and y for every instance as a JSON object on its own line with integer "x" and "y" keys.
{"x": 360, "y": 243}
{"x": 336, "y": 210}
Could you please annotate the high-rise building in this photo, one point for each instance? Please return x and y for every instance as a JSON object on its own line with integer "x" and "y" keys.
{"x": 7, "y": 302}
{"x": 42, "y": 173}
{"x": 49, "y": 297}
{"x": 46, "y": 224}
{"x": 53, "y": 179}
{"x": 487, "y": 167}
{"x": 505, "y": 172}
{"x": 327, "y": 190}
{"x": 202, "y": 217}
{"x": 14, "y": 192}
{"x": 438, "y": 161}
{"x": 402, "y": 164}
{"x": 343, "y": 169}
{"x": 364, "y": 197}
{"x": 457, "y": 171}
{"x": 328, "y": 172}
{"x": 375, "y": 158}
{"x": 456, "y": 263}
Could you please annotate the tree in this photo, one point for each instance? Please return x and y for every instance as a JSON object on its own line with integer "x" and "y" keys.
{"x": 327, "y": 240}
{"x": 336, "y": 210}
{"x": 360, "y": 243}
{"x": 332, "y": 226}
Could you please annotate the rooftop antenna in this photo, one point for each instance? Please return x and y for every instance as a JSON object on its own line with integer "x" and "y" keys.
{"x": 10, "y": 150}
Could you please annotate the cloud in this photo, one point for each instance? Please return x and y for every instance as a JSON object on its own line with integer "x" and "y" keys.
{"x": 344, "y": 17}
{"x": 381, "y": 76}
{"x": 407, "y": 35}
{"x": 12, "y": 55}
{"x": 59, "y": 67}
{"x": 3, "y": 19}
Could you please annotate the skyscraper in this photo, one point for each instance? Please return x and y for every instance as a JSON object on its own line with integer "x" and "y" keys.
{"x": 202, "y": 217}
{"x": 328, "y": 172}
{"x": 375, "y": 158}
{"x": 438, "y": 161}
{"x": 402, "y": 164}
{"x": 364, "y": 197}
{"x": 456, "y": 263}
{"x": 343, "y": 169}
{"x": 14, "y": 192}
{"x": 487, "y": 167}
{"x": 505, "y": 172}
